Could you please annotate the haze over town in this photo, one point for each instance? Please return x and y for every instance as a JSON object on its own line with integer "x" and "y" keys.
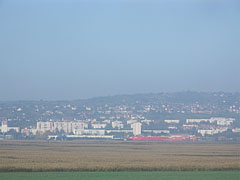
{"x": 56, "y": 50}
{"x": 119, "y": 89}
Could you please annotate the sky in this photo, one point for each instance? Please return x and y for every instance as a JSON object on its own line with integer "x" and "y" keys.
{"x": 74, "y": 49}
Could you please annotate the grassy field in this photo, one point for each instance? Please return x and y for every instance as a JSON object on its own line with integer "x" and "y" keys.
{"x": 116, "y": 156}
{"x": 203, "y": 175}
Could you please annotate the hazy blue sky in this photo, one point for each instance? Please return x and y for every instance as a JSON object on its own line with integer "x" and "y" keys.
{"x": 71, "y": 49}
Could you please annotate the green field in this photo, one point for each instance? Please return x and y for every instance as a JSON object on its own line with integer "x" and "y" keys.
{"x": 200, "y": 175}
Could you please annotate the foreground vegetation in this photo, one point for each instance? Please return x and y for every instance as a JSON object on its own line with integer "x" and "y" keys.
{"x": 116, "y": 156}
{"x": 206, "y": 175}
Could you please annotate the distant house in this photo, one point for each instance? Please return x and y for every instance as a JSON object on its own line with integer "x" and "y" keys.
{"x": 5, "y": 128}
{"x": 172, "y": 121}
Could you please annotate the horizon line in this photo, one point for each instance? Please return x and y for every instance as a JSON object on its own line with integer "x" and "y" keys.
{"x": 130, "y": 94}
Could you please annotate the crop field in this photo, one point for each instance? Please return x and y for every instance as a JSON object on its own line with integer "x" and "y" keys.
{"x": 200, "y": 175}
{"x": 43, "y": 156}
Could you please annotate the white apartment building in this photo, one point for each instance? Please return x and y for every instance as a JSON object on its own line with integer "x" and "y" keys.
{"x": 203, "y": 132}
{"x": 117, "y": 124}
{"x": 98, "y": 125}
{"x": 90, "y": 132}
{"x": 222, "y": 121}
{"x": 156, "y": 131}
{"x": 137, "y": 128}
{"x": 172, "y": 121}
{"x": 5, "y": 128}
{"x": 146, "y": 121}
{"x": 66, "y": 126}
{"x": 196, "y": 120}
{"x": 131, "y": 121}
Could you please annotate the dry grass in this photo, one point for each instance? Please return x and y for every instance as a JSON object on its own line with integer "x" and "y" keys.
{"x": 115, "y": 156}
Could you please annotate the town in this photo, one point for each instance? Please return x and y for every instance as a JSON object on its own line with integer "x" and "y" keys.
{"x": 165, "y": 117}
